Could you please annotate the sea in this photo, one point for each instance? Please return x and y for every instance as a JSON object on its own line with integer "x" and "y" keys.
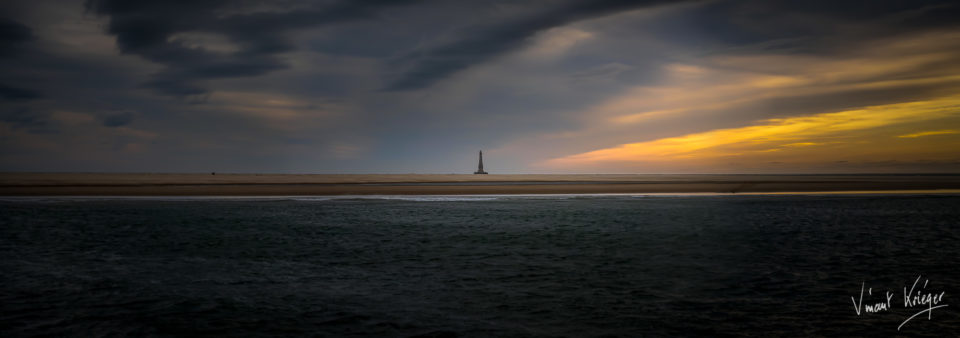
{"x": 791, "y": 265}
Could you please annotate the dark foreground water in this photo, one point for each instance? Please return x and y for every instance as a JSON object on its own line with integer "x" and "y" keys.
{"x": 589, "y": 266}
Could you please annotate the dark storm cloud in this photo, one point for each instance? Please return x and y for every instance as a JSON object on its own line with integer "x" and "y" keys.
{"x": 12, "y": 36}
{"x": 145, "y": 28}
{"x": 118, "y": 119}
{"x": 9, "y": 93}
{"x": 27, "y": 119}
{"x": 814, "y": 26}
{"x": 866, "y": 10}
{"x": 482, "y": 44}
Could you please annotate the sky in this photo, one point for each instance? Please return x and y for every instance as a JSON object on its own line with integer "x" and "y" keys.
{"x": 420, "y": 86}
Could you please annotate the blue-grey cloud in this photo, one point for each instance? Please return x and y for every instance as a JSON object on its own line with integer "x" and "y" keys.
{"x": 144, "y": 28}
{"x": 814, "y": 26}
{"x": 10, "y": 93}
{"x": 484, "y": 43}
{"x": 12, "y": 37}
{"x": 27, "y": 119}
{"x": 118, "y": 119}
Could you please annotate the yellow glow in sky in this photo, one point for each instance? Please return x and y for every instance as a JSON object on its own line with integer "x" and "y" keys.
{"x": 851, "y": 132}
{"x": 930, "y": 133}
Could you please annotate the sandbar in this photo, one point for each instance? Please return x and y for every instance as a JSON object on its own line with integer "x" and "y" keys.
{"x": 207, "y": 184}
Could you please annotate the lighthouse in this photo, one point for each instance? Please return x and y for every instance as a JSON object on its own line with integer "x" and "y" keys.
{"x": 480, "y": 166}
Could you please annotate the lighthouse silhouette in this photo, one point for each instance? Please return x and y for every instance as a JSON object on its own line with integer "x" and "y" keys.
{"x": 480, "y": 166}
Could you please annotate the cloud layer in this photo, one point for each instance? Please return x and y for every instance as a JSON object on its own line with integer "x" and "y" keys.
{"x": 420, "y": 86}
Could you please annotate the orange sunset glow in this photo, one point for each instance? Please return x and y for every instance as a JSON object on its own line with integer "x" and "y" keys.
{"x": 871, "y": 132}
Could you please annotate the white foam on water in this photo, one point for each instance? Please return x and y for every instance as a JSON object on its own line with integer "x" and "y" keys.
{"x": 418, "y": 198}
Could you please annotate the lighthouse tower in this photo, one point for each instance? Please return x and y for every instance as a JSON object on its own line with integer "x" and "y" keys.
{"x": 480, "y": 166}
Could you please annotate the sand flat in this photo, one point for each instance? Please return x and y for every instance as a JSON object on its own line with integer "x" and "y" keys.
{"x": 162, "y": 184}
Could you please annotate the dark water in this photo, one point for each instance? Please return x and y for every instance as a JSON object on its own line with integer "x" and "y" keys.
{"x": 591, "y": 266}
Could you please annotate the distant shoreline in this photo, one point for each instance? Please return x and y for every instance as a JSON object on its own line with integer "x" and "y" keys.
{"x": 51, "y": 184}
